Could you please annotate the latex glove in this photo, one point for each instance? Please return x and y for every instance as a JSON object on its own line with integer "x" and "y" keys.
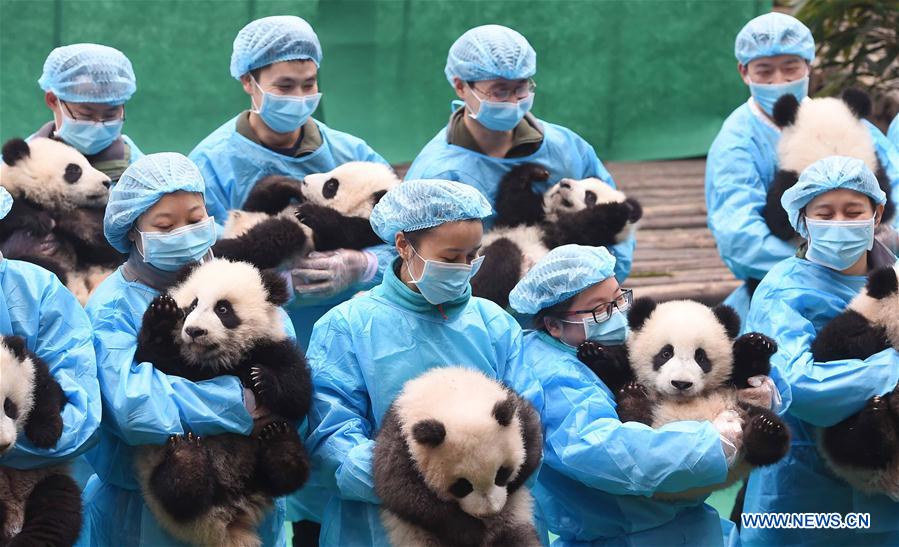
{"x": 324, "y": 275}
{"x": 763, "y": 393}
{"x": 730, "y": 429}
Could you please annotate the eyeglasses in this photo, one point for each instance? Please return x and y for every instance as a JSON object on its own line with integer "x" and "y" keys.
{"x": 604, "y": 311}
{"x": 521, "y": 91}
{"x": 114, "y": 118}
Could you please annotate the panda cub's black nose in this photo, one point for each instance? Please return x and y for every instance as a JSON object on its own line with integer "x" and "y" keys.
{"x": 195, "y": 332}
{"x": 679, "y": 384}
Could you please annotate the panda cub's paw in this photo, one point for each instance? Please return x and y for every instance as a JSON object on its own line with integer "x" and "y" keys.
{"x": 633, "y": 390}
{"x": 319, "y": 218}
{"x": 757, "y": 344}
{"x": 766, "y": 439}
{"x": 283, "y": 466}
{"x": 163, "y": 316}
{"x": 607, "y": 362}
{"x": 186, "y": 450}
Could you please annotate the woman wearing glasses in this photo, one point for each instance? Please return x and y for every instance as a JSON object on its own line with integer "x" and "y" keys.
{"x": 598, "y": 473}
{"x": 492, "y": 130}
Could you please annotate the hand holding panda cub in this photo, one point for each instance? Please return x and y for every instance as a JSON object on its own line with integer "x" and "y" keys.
{"x": 584, "y": 212}
{"x": 451, "y": 460}
{"x": 284, "y": 218}
{"x": 37, "y": 506}
{"x": 223, "y": 318}
{"x": 863, "y": 449}
{"x": 684, "y": 361}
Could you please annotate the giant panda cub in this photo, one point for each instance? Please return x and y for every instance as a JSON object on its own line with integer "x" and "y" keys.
{"x": 284, "y": 218}
{"x": 223, "y": 318}
{"x": 813, "y": 130}
{"x": 37, "y": 506}
{"x": 57, "y": 216}
{"x": 684, "y": 361}
{"x": 451, "y": 459}
{"x": 585, "y": 212}
{"x": 863, "y": 449}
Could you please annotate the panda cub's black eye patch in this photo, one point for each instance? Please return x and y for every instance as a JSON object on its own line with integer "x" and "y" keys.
{"x": 502, "y": 476}
{"x": 10, "y": 409}
{"x": 663, "y": 356}
{"x": 702, "y": 360}
{"x": 193, "y": 306}
{"x": 226, "y": 315}
{"x": 329, "y": 190}
{"x": 461, "y": 488}
{"x": 73, "y": 173}
{"x": 590, "y": 198}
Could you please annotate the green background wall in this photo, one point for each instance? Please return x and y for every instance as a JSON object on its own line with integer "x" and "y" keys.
{"x": 639, "y": 79}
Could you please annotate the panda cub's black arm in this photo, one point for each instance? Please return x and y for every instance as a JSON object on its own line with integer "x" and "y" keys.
{"x": 596, "y": 226}
{"x": 848, "y": 336}
{"x": 44, "y": 424}
{"x": 265, "y": 245}
{"x": 516, "y": 202}
{"x": 752, "y": 357}
{"x": 775, "y": 216}
{"x": 279, "y": 377}
{"x": 333, "y": 230}
{"x": 610, "y": 363}
{"x": 157, "y": 340}
{"x": 273, "y": 194}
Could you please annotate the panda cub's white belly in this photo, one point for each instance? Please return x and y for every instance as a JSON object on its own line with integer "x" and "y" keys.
{"x": 704, "y": 408}
{"x": 529, "y": 240}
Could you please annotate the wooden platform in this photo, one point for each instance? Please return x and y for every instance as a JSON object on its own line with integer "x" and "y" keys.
{"x": 676, "y": 255}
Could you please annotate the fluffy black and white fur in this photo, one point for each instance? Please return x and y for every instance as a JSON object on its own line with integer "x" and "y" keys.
{"x": 863, "y": 449}
{"x": 451, "y": 460}
{"x": 684, "y": 361}
{"x": 813, "y": 130}
{"x": 37, "y": 506}
{"x": 57, "y": 216}
{"x": 529, "y": 225}
{"x": 223, "y": 318}
{"x": 284, "y": 217}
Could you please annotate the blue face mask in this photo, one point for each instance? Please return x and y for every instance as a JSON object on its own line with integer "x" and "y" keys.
{"x": 611, "y": 332}
{"x": 443, "y": 281}
{"x": 286, "y": 113}
{"x": 502, "y": 116}
{"x": 766, "y": 95}
{"x": 88, "y": 137}
{"x": 838, "y": 244}
{"x": 169, "y": 251}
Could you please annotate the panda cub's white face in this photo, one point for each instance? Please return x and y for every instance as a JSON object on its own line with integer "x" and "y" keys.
{"x": 469, "y": 456}
{"x": 227, "y": 312}
{"x": 16, "y": 381}
{"x": 571, "y": 196}
{"x": 350, "y": 188}
{"x": 56, "y": 176}
{"x": 682, "y": 350}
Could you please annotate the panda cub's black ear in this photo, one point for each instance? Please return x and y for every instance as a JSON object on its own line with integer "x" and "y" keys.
{"x": 15, "y": 150}
{"x": 858, "y": 102}
{"x": 16, "y": 344}
{"x": 376, "y": 197}
{"x": 640, "y": 311}
{"x": 882, "y": 283}
{"x": 276, "y": 287}
{"x": 728, "y": 317}
{"x": 429, "y": 432}
{"x": 504, "y": 411}
{"x": 785, "y": 110}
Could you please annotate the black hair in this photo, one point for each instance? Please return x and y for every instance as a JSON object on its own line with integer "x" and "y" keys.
{"x": 256, "y": 72}
{"x": 554, "y": 311}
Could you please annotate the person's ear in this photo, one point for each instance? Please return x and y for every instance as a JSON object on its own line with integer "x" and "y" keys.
{"x": 553, "y": 326}
{"x": 247, "y": 82}
{"x": 459, "y": 86}
{"x": 403, "y": 248}
{"x": 878, "y": 215}
{"x": 744, "y": 72}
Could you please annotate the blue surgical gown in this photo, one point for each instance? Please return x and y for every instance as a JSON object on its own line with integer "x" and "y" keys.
{"x": 562, "y": 152}
{"x": 598, "y": 473}
{"x": 739, "y": 170}
{"x": 361, "y": 354}
{"x": 794, "y": 301}
{"x": 141, "y": 405}
{"x": 37, "y": 307}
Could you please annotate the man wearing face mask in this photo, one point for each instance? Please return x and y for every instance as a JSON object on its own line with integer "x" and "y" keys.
{"x": 774, "y": 52}
{"x": 491, "y": 129}
{"x": 584, "y": 493}
{"x": 86, "y": 87}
